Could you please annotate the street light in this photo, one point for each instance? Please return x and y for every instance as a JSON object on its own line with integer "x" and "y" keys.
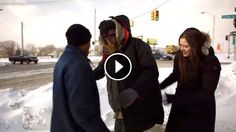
{"x": 213, "y": 27}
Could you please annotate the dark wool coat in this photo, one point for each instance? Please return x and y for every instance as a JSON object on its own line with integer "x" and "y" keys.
{"x": 193, "y": 105}
{"x": 147, "y": 110}
{"x": 76, "y": 105}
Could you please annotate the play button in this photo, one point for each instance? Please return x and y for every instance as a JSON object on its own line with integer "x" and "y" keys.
{"x": 117, "y": 66}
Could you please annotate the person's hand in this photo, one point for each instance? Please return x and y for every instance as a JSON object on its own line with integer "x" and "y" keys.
{"x": 170, "y": 97}
{"x": 164, "y": 98}
{"x": 127, "y": 97}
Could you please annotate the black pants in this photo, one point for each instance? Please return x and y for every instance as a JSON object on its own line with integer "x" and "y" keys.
{"x": 120, "y": 127}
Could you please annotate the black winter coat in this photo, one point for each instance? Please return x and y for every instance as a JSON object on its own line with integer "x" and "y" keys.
{"x": 147, "y": 110}
{"x": 76, "y": 105}
{"x": 193, "y": 105}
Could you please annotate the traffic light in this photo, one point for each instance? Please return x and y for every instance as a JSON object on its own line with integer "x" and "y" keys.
{"x": 226, "y": 37}
{"x": 157, "y": 15}
{"x": 153, "y": 15}
{"x": 131, "y": 23}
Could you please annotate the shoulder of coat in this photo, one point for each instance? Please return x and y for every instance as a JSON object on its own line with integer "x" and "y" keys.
{"x": 211, "y": 63}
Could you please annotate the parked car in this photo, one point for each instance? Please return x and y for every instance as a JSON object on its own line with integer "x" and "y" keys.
{"x": 159, "y": 55}
{"x": 171, "y": 49}
{"x": 23, "y": 58}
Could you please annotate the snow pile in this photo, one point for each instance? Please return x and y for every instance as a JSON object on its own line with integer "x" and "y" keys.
{"x": 225, "y": 89}
{"x": 36, "y": 113}
{"x": 31, "y": 111}
{"x": 47, "y": 59}
{"x": 2, "y": 64}
{"x": 95, "y": 58}
{"x": 234, "y": 67}
{"x": 35, "y": 118}
{"x": 21, "y": 110}
{"x": 106, "y": 111}
{"x": 226, "y": 100}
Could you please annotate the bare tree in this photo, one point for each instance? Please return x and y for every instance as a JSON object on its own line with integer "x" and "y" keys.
{"x": 8, "y": 48}
{"x": 31, "y": 49}
{"x": 59, "y": 51}
{"x": 44, "y": 51}
{"x": 1, "y": 50}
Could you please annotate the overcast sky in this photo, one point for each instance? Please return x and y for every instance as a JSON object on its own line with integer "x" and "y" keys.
{"x": 46, "y": 23}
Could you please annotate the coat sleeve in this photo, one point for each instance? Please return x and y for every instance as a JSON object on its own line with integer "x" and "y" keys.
{"x": 210, "y": 75}
{"x": 99, "y": 72}
{"x": 83, "y": 98}
{"x": 172, "y": 77}
{"x": 149, "y": 76}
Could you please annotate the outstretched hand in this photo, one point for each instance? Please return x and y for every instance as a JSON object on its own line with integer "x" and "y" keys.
{"x": 166, "y": 98}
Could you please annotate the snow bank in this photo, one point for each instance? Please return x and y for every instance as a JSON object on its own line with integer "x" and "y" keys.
{"x": 31, "y": 111}
{"x": 227, "y": 83}
{"x": 226, "y": 100}
{"x": 2, "y": 64}
{"x": 21, "y": 110}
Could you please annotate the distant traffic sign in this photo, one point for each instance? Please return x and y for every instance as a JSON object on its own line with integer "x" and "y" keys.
{"x": 152, "y": 41}
{"x": 228, "y": 16}
{"x": 233, "y": 33}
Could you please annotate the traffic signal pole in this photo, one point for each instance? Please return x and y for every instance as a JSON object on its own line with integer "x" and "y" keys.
{"x": 234, "y": 37}
{"x": 233, "y": 33}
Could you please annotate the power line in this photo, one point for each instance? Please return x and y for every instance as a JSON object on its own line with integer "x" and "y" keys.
{"x": 151, "y": 9}
{"x": 36, "y": 2}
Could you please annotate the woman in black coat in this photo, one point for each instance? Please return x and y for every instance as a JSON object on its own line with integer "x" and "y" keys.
{"x": 197, "y": 71}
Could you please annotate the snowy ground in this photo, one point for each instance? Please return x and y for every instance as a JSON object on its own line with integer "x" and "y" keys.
{"x": 30, "y": 111}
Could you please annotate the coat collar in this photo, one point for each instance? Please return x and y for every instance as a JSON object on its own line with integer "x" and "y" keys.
{"x": 71, "y": 48}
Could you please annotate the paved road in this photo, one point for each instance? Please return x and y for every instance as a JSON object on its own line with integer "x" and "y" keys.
{"x": 25, "y": 76}
{"x": 31, "y": 76}
{"x": 9, "y": 68}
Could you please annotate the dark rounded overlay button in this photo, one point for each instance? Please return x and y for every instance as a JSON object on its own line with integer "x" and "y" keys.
{"x": 117, "y": 66}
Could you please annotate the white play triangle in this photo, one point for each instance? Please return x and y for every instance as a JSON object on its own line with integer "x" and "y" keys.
{"x": 118, "y": 66}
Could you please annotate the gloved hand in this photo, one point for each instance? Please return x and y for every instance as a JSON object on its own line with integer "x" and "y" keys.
{"x": 127, "y": 97}
{"x": 164, "y": 98}
{"x": 170, "y": 97}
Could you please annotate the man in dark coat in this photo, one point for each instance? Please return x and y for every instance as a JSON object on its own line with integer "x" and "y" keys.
{"x": 197, "y": 71}
{"x": 76, "y": 105}
{"x": 136, "y": 100}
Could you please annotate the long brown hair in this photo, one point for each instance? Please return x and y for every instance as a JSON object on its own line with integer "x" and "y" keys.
{"x": 196, "y": 40}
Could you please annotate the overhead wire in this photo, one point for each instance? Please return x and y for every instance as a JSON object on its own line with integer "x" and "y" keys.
{"x": 36, "y": 2}
{"x": 151, "y": 9}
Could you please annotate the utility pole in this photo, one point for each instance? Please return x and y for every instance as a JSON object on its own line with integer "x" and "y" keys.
{"x": 94, "y": 41}
{"x": 228, "y": 38}
{"x": 234, "y": 37}
{"x": 22, "y": 39}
